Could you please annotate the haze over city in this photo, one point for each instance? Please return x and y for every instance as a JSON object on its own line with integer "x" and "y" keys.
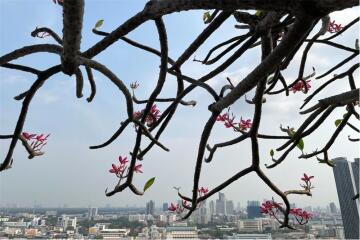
{"x": 70, "y": 173}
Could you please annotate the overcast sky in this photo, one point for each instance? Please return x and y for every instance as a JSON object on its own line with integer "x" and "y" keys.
{"x": 71, "y": 173}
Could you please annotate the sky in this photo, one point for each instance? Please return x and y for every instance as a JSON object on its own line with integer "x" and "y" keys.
{"x": 70, "y": 173}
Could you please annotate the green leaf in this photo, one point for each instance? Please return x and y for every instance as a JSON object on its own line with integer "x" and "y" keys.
{"x": 300, "y": 144}
{"x": 271, "y": 152}
{"x": 337, "y": 122}
{"x": 258, "y": 13}
{"x": 149, "y": 183}
{"x": 206, "y": 16}
{"x": 99, "y": 23}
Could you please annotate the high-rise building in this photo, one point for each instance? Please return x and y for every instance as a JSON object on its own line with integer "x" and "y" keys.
{"x": 253, "y": 209}
{"x": 92, "y": 213}
{"x": 229, "y": 207}
{"x": 150, "y": 207}
{"x": 347, "y": 184}
{"x": 333, "y": 209}
{"x": 201, "y": 215}
{"x": 211, "y": 208}
{"x": 165, "y": 207}
{"x": 221, "y": 204}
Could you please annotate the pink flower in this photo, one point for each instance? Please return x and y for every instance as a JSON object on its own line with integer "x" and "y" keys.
{"x": 173, "y": 207}
{"x": 333, "y": 27}
{"x": 222, "y": 118}
{"x": 137, "y": 168}
{"x": 298, "y": 212}
{"x": 115, "y": 169}
{"x": 28, "y": 136}
{"x": 185, "y": 203}
{"x": 137, "y": 115}
{"x": 203, "y": 190}
{"x": 123, "y": 161}
{"x": 245, "y": 124}
{"x": 299, "y": 86}
{"x": 306, "y": 178}
{"x": 42, "y": 137}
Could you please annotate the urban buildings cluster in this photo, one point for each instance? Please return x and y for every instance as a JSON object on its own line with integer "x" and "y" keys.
{"x": 214, "y": 219}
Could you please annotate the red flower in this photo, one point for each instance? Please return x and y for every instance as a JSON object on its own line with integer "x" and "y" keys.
{"x": 299, "y": 86}
{"x": 173, "y": 207}
{"x": 28, "y": 136}
{"x": 123, "y": 161}
{"x": 137, "y": 168}
{"x": 298, "y": 212}
{"x": 245, "y": 124}
{"x": 333, "y": 27}
{"x": 306, "y": 178}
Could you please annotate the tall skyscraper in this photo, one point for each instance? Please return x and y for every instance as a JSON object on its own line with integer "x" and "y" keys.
{"x": 211, "y": 208}
{"x": 229, "y": 207}
{"x": 221, "y": 204}
{"x": 333, "y": 209}
{"x": 150, "y": 207}
{"x": 347, "y": 184}
{"x": 253, "y": 209}
{"x": 92, "y": 213}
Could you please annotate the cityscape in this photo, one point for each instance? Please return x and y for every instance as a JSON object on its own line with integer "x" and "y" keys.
{"x": 219, "y": 218}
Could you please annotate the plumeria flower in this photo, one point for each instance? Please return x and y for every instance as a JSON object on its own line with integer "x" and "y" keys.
{"x": 123, "y": 161}
{"x": 115, "y": 169}
{"x": 245, "y": 124}
{"x": 28, "y": 136}
{"x": 306, "y": 178}
{"x": 203, "y": 190}
{"x": 137, "y": 168}
{"x": 333, "y": 27}
{"x": 173, "y": 207}
{"x": 42, "y": 137}
{"x": 137, "y": 115}
{"x": 134, "y": 85}
{"x": 299, "y": 86}
{"x": 185, "y": 203}
{"x": 222, "y": 118}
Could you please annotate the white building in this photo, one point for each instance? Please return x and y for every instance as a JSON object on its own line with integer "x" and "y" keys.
{"x": 250, "y": 225}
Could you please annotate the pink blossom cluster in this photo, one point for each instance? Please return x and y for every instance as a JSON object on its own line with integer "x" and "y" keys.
{"x": 307, "y": 182}
{"x": 333, "y": 27}
{"x": 36, "y": 141}
{"x": 243, "y": 125}
{"x": 151, "y": 118}
{"x": 122, "y": 169}
{"x": 300, "y": 86}
{"x": 177, "y": 208}
{"x": 272, "y": 207}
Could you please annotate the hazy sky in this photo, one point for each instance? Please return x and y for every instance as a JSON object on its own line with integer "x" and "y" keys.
{"x": 71, "y": 173}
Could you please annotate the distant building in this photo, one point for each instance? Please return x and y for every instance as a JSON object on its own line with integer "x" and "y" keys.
{"x": 347, "y": 184}
{"x": 333, "y": 209}
{"x": 221, "y": 204}
{"x": 229, "y": 207}
{"x": 253, "y": 209}
{"x": 150, "y": 207}
{"x": 250, "y": 236}
{"x": 202, "y": 215}
{"x": 165, "y": 207}
{"x": 247, "y": 225}
{"x": 65, "y": 222}
{"x": 181, "y": 232}
{"x": 92, "y": 213}
{"x": 211, "y": 208}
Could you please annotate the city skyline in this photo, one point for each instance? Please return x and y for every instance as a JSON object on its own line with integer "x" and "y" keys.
{"x": 69, "y": 173}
